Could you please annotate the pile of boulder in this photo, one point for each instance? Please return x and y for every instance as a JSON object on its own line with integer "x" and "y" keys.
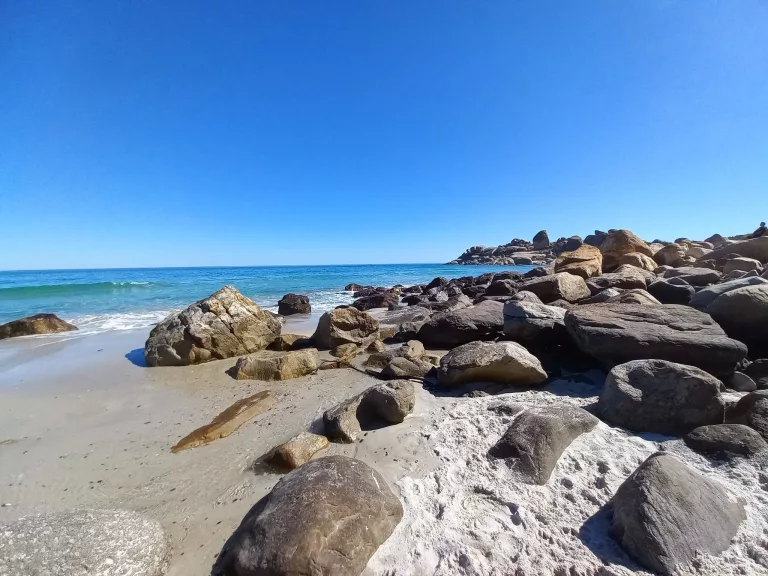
{"x": 517, "y": 252}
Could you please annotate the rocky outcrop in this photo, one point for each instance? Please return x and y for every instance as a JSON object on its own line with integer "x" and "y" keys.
{"x": 223, "y": 325}
{"x": 389, "y": 403}
{"x": 343, "y": 326}
{"x": 618, "y": 243}
{"x": 706, "y": 296}
{"x": 726, "y": 440}
{"x": 298, "y": 450}
{"x": 665, "y": 514}
{"x": 756, "y": 248}
{"x": 618, "y": 333}
{"x": 586, "y": 261}
{"x": 562, "y": 286}
{"x": 484, "y": 321}
{"x": 78, "y": 542}
{"x": 270, "y": 365}
{"x": 326, "y": 517}
{"x": 293, "y": 304}
{"x": 660, "y": 396}
{"x": 506, "y": 254}
{"x": 500, "y": 362}
{"x": 37, "y": 324}
{"x": 534, "y": 442}
{"x": 743, "y": 314}
{"x": 228, "y": 421}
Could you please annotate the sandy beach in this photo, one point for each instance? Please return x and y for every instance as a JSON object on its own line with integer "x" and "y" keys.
{"x": 84, "y": 424}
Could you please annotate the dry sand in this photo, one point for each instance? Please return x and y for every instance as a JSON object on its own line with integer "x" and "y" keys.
{"x": 83, "y": 423}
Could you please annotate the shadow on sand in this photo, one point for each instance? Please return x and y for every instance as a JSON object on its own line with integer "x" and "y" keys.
{"x": 136, "y": 357}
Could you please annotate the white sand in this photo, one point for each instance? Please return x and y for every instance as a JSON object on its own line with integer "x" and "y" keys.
{"x": 472, "y": 516}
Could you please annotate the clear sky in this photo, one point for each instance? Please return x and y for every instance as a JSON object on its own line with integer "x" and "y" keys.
{"x": 182, "y": 133}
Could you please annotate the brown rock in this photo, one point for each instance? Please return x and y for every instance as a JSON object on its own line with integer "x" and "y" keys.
{"x": 618, "y": 243}
{"x": 586, "y": 261}
{"x": 298, "y": 450}
{"x": 270, "y": 365}
{"x": 37, "y": 324}
{"x": 638, "y": 260}
{"x": 343, "y": 326}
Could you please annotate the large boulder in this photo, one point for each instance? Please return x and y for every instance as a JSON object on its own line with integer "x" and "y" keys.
{"x": 389, "y": 403}
{"x": 596, "y": 239}
{"x": 82, "y": 542}
{"x": 668, "y": 293}
{"x": 562, "y": 286}
{"x": 626, "y": 278}
{"x": 503, "y": 287}
{"x": 501, "y": 362}
{"x": 751, "y": 410}
{"x": 326, "y": 517}
{"x": 530, "y": 323}
{"x": 223, "y": 325}
{"x": 634, "y": 296}
{"x": 639, "y": 260}
{"x": 742, "y": 264}
{"x": 665, "y": 514}
{"x": 726, "y": 439}
{"x": 541, "y": 240}
{"x": 756, "y": 248}
{"x": 534, "y": 442}
{"x": 345, "y": 325}
{"x": 586, "y": 261}
{"x": 618, "y": 333}
{"x": 379, "y": 300}
{"x": 758, "y": 371}
{"x": 401, "y": 367}
{"x": 660, "y": 396}
{"x": 694, "y": 276}
{"x": 669, "y": 255}
{"x": 269, "y": 365}
{"x": 37, "y": 324}
{"x": 618, "y": 243}
{"x": 293, "y": 304}
{"x": 743, "y": 314}
{"x": 706, "y": 296}
{"x": 484, "y": 321}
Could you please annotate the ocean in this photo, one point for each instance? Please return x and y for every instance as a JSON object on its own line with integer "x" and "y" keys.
{"x": 122, "y": 299}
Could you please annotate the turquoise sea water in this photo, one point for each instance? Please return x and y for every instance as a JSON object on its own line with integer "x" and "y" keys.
{"x": 98, "y": 300}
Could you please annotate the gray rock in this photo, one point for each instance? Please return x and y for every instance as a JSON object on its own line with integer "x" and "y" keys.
{"x": 380, "y": 300}
{"x": 756, "y": 248}
{"x": 618, "y": 333}
{"x": 563, "y": 286}
{"x": 665, "y": 513}
{"x": 525, "y": 296}
{"x": 743, "y": 314}
{"x": 596, "y": 239}
{"x": 668, "y": 293}
{"x": 389, "y": 403}
{"x": 402, "y": 367}
{"x": 541, "y": 240}
{"x": 742, "y": 264}
{"x": 758, "y": 371}
{"x": 660, "y": 396}
{"x": 534, "y": 442}
{"x": 533, "y": 324}
{"x": 484, "y": 321}
{"x": 326, "y": 517}
{"x": 705, "y": 297}
{"x": 501, "y": 288}
{"x": 602, "y": 296}
{"x": 294, "y": 304}
{"x": 694, "y": 276}
{"x": 636, "y": 296}
{"x": 502, "y": 362}
{"x": 573, "y": 243}
{"x": 726, "y": 439}
{"x": 223, "y": 325}
{"x": 625, "y": 278}
{"x": 741, "y": 383}
{"x": 83, "y": 542}
{"x": 751, "y": 410}
{"x": 345, "y": 326}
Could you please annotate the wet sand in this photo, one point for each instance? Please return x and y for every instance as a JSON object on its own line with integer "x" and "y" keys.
{"x": 84, "y": 424}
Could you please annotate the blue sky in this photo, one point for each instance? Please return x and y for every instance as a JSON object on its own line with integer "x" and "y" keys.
{"x": 299, "y": 132}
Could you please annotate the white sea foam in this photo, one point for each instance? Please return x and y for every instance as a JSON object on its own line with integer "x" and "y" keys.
{"x": 95, "y": 323}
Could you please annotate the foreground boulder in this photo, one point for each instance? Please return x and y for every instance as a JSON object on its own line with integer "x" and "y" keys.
{"x": 501, "y": 362}
{"x": 534, "y": 442}
{"x": 326, "y": 517}
{"x": 448, "y": 329}
{"x": 586, "y": 261}
{"x": 706, "y": 296}
{"x": 752, "y": 410}
{"x": 694, "y": 276}
{"x": 726, "y": 440}
{"x": 660, "y": 396}
{"x": 269, "y": 365}
{"x": 618, "y": 243}
{"x": 345, "y": 326}
{"x": 380, "y": 300}
{"x": 562, "y": 286}
{"x": 223, "y": 325}
{"x": 668, "y": 293}
{"x": 529, "y": 323}
{"x": 618, "y": 333}
{"x": 293, "y": 304}
{"x": 756, "y": 248}
{"x": 386, "y": 403}
{"x": 298, "y": 450}
{"x": 626, "y": 277}
{"x": 665, "y": 513}
{"x": 743, "y": 314}
{"x": 79, "y": 542}
{"x": 37, "y": 324}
